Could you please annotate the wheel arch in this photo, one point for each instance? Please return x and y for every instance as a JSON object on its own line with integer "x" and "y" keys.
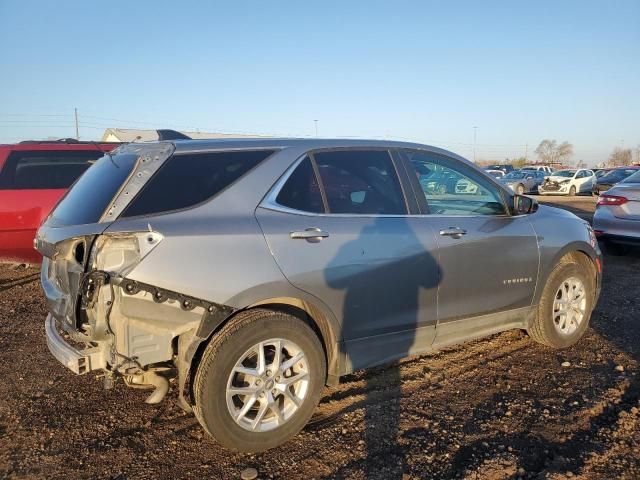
{"x": 320, "y": 321}
{"x": 581, "y": 253}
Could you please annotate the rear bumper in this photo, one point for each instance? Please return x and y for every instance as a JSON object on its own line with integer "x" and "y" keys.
{"x": 610, "y": 227}
{"x": 78, "y": 361}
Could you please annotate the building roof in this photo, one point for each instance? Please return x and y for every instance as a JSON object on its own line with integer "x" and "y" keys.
{"x": 135, "y": 135}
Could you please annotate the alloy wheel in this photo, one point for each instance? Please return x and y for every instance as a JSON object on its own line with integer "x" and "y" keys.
{"x": 569, "y": 305}
{"x": 267, "y": 385}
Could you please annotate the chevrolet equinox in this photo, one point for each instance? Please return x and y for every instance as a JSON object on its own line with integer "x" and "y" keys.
{"x": 256, "y": 271}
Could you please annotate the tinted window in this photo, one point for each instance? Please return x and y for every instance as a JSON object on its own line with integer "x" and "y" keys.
{"x": 618, "y": 174}
{"x": 301, "y": 191}
{"x": 90, "y": 196}
{"x": 45, "y": 170}
{"x": 360, "y": 182}
{"x": 188, "y": 179}
{"x": 452, "y": 188}
{"x": 635, "y": 178}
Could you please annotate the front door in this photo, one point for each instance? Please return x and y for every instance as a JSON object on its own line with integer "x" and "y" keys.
{"x": 488, "y": 258}
{"x": 339, "y": 230}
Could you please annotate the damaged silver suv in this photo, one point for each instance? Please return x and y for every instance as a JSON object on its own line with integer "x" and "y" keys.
{"x": 256, "y": 271}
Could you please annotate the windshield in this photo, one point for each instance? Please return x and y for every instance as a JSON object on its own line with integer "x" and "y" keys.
{"x": 618, "y": 174}
{"x": 564, "y": 173}
{"x": 635, "y": 178}
{"x": 515, "y": 175}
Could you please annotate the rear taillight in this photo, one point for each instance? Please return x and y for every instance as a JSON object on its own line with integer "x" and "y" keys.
{"x": 612, "y": 200}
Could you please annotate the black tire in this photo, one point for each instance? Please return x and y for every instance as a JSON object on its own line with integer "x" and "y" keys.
{"x": 221, "y": 354}
{"x": 542, "y": 328}
{"x": 572, "y": 191}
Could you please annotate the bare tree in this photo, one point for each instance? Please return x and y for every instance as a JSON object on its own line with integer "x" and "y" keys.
{"x": 620, "y": 157}
{"x": 517, "y": 162}
{"x": 549, "y": 151}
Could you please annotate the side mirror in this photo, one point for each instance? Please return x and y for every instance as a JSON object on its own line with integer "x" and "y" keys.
{"x": 524, "y": 205}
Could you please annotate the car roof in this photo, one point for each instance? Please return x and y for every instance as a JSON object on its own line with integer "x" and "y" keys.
{"x": 183, "y": 146}
{"x": 55, "y": 145}
{"x": 309, "y": 143}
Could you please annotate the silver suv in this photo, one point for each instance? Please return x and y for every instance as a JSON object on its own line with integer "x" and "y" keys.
{"x": 256, "y": 271}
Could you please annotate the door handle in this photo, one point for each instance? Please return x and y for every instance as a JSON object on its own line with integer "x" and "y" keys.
{"x": 313, "y": 235}
{"x": 453, "y": 232}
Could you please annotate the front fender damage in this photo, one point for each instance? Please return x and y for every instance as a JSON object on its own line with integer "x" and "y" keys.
{"x": 153, "y": 333}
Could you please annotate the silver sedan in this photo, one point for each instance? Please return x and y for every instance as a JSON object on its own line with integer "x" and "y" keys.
{"x": 523, "y": 181}
{"x": 617, "y": 217}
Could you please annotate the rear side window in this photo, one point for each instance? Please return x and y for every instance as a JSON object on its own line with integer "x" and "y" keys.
{"x": 186, "y": 180}
{"x": 41, "y": 170}
{"x": 360, "y": 182}
{"x": 301, "y": 190}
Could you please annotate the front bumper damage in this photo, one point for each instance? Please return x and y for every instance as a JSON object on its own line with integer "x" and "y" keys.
{"x": 140, "y": 332}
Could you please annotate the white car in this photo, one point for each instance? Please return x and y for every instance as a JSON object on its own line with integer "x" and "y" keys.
{"x": 568, "y": 182}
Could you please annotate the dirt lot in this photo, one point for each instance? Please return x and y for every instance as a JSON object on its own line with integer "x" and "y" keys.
{"x": 502, "y": 407}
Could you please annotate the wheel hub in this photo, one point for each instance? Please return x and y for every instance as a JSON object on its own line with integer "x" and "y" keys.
{"x": 267, "y": 385}
{"x": 569, "y": 306}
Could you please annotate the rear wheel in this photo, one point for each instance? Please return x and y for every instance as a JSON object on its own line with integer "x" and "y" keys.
{"x": 259, "y": 380}
{"x": 572, "y": 191}
{"x": 565, "y": 307}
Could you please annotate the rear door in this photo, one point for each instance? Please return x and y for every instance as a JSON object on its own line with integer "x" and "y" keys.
{"x": 488, "y": 258}
{"x": 31, "y": 183}
{"x": 339, "y": 229}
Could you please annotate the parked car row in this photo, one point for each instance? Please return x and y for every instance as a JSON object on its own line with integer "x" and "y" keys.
{"x": 547, "y": 181}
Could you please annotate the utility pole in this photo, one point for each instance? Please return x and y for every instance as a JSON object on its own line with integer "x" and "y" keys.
{"x": 75, "y": 110}
{"x": 526, "y": 152}
{"x": 316, "y": 124}
{"x": 474, "y": 143}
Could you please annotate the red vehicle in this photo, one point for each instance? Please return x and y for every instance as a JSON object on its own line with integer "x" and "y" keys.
{"x": 33, "y": 177}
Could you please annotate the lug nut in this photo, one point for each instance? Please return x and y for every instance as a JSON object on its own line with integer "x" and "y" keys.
{"x": 258, "y": 382}
{"x": 278, "y": 378}
{"x": 269, "y": 373}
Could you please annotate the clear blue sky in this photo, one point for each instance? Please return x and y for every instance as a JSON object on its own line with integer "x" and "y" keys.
{"x": 427, "y": 71}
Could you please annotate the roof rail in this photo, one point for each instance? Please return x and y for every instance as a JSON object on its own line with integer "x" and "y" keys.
{"x": 165, "y": 134}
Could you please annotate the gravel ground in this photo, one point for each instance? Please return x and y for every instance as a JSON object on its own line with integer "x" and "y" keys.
{"x": 502, "y": 407}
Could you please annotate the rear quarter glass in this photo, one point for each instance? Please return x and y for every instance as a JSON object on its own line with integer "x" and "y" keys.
{"x": 188, "y": 179}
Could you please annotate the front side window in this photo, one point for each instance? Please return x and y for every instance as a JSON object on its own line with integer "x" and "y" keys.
{"x": 360, "y": 182}
{"x": 42, "y": 170}
{"x": 452, "y": 188}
